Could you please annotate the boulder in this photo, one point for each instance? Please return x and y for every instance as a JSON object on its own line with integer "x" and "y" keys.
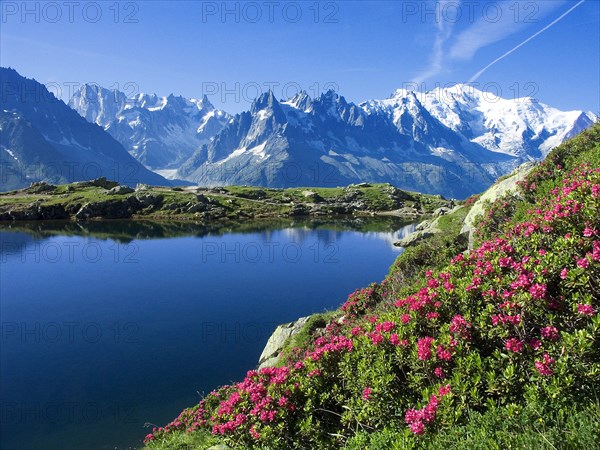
{"x": 500, "y": 189}
{"x": 270, "y": 354}
{"x": 98, "y": 182}
{"x": 110, "y": 209}
{"x": 120, "y": 190}
{"x": 40, "y": 187}
{"x": 142, "y": 187}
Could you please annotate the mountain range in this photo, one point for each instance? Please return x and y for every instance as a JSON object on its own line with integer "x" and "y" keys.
{"x": 161, "y": 132}
{"x": 453, "y": 141}
{"x": 41, "y": 138}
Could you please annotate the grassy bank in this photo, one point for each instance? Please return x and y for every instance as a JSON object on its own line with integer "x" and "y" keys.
{"x": 102, "y": 199}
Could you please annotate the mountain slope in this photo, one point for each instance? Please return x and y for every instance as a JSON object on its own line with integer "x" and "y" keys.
{"x": 328, "y": 141}
{"x": 41, "y": 138}
{"x": 161, "y": 132}
{"x": 522, "y": 127}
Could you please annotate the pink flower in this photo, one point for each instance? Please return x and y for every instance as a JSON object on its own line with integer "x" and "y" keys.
{"x": 376, "y": 338}
{"x": 543, "y": 367}
{"x": 417, "y": 427}
{"x": 514, "y": 345}
{"x": 367, "y": 393}
{"x": 586, "y": 310}
{"x": 355, "y": 331}
{"x": 424, "y": 348}
{"x": 535, "y": 343}
{"x": 588, "y": 232}
{"x": 549, "y": 333}
{"x": 564, "y": 273}
{"x": 254, "y": 433}
{"x": 394, "y": 339}
{"x": 583, "y": 263}
{"x": 444, "y": 390}
{"x": 438, "y": 372}
{"x": 405, "y": 318}
{"x": 443, "y": 354}
{"x": 537, "y": 290}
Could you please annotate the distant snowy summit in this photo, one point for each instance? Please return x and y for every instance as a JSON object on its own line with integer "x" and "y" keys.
{"x": 453, "y": 141}
{"x": 520, "y": 127}
{"x": 161, "y": 132}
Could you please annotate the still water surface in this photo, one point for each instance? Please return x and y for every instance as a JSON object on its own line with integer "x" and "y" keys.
{"x": 107, "y": 327}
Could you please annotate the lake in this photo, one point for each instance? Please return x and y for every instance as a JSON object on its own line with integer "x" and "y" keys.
{"x": 106, "y": 327}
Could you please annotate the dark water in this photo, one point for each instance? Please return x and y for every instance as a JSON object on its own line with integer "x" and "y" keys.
{"x": 110, "y": 326}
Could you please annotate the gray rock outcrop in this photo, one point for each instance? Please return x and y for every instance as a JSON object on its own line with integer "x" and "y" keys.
{"x": 500, "y": 189}
{"x": 282, "y": 333}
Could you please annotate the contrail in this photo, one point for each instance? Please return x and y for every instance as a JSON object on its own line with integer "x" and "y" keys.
{"x": 478, "y": 74}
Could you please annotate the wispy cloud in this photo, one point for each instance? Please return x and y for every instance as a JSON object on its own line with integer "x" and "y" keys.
{"x": 450, "y": 47}
{"x": 444, "y": 32}
{"x": 512, "y": 17}
{"x": 514, "y": 49}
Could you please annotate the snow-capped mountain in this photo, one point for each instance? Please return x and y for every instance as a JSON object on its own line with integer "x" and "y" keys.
{"x": 161, "y": 132}
{"x": 521, "y": 127}
{"x": 41, "y": 138}
{"x": 329, "y": 142}
{"x": 454, "y": 142}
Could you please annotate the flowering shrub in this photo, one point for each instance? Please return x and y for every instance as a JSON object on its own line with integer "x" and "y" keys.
{"x": 513, "y": 321}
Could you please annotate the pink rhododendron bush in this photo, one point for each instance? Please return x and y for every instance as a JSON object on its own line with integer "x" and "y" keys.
{"x": 514, "y": 321}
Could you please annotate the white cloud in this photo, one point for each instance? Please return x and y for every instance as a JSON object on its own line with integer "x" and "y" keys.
{"x": 494, "y": 25}
{"x": 491, "y": 28}
{"x": 514, "y": 49}
{"x": 444, "y": 32}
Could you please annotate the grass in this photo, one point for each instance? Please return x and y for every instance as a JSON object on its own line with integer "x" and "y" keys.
{"x": 504, "y": 428}
{"x": 234, "y": 202}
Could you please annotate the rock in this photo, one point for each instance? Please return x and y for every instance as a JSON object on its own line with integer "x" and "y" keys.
{"x": 423, "y": 225}
{"x": 110, "y": 209}
{"x": 120, "y": 190}
{"x": 312, "y": 196}
{"x": 142, "y": 187}
{"x": 40, "y": 187}
{"x": 147, "y": 200}
{"x": 34, "y": 211}
{"x": 282, "y": 333}
{"x": 441, "y": 212}
{"x": 413, "y": 238}
{"x": 500, "y": 189}
{"x": 98, "y": 182}
{"x": 299, "y": 210}
{"x": 202, "y": 198}
{"x": 197, "y": 207}
{"x": 424, "y": 230}
{"x": 350, "y": 196}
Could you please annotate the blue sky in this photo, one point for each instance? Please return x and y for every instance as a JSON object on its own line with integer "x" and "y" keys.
{"x": 363, "y": 49}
